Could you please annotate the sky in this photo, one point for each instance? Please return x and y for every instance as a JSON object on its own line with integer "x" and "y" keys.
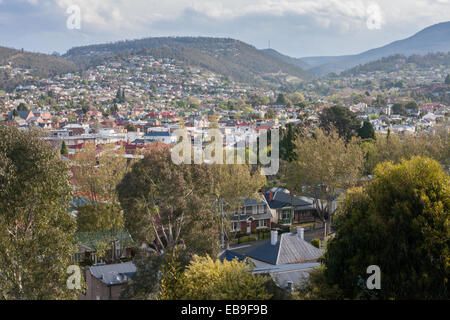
{"x": 297, "y": 28}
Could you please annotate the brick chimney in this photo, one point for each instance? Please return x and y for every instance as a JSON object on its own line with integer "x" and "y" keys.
{"x": 270, "y": 195}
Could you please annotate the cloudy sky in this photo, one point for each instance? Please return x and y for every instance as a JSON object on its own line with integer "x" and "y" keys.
{"x": 295, "y": 27}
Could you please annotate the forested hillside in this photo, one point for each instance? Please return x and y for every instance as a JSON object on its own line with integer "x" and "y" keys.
{"x": 401, "y": 62}
{"x": 233, "y": 59}
{"x": 37, "y": 64}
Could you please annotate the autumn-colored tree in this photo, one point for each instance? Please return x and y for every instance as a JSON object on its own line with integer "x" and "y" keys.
{"x": 326, "y": 163}
{"x": 231, "y": 185}
{"x": 36, "y": 230}
{"x": 209, "y": 279}
{"x": 394, "y": 148}
{"x": 96, "y": 175}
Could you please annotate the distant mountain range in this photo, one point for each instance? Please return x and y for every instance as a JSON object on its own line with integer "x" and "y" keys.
{"x": 433, "y": 39}
{"x": 243, "y": 62}
{"x": 233, "y": 59}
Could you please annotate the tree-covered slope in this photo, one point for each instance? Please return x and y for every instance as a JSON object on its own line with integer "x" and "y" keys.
{"x": 231, "y": 58}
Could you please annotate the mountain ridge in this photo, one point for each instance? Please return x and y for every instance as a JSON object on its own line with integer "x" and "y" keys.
{"x": 231, "y": 58}
{"x": 435, "y": 38}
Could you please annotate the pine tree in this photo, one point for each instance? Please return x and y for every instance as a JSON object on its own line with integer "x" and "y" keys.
{"x": 287, "y": 145}
{"x": 119, "y": 95}
{"x": 64, "y": 149}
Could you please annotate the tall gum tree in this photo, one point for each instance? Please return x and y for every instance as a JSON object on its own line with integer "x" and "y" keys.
{"x": 325, "y": 164}
{"x": 36, "y": 230}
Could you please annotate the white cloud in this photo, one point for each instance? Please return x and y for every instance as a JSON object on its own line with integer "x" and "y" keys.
{"x": 344, "y": 14}
{"x": 323, "y": 24}
{"x": 130, "y": 14}
{"x": 375, "y": 17}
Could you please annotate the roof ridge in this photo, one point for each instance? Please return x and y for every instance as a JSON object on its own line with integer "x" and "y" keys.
{"x": 279, "y": 249}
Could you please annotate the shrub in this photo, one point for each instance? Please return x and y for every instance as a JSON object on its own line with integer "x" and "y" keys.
{"x": 315, "y": 243}
{"x": 244, "y": 239}
{"x": 208, "y": 279}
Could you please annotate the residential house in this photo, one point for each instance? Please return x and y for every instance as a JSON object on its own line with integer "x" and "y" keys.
{"x": 107, "y": 281}
{"x": 287, "y": 209}
{"x": 253, "y": 216}
{"x": 287, "y": 258}
{"x": 157, "y": 136}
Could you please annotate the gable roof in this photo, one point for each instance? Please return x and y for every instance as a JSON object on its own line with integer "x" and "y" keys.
{"x": 266, "y": 253}
{"x": 24, "y": 114}
{"x": 112, "y": 274}
{"x": 289, "y": 249}
{"x": 296, "y": 250}
{"x": 282, "y": 199}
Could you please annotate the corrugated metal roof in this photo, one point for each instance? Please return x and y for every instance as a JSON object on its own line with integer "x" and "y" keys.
{"x": 112, "y": 274}
{"x": 266, "y": 252}
{"x": 288, "y": 250}
{"x": 293, "y": 249}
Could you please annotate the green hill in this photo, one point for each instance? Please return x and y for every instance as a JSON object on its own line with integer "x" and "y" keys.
{"x": 231, "y": 58}
{"x": 38, "y": 64}
{"x": 401, "y": 62}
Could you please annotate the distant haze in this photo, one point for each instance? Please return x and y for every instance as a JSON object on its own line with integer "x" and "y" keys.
{"x": 295, "y": 28}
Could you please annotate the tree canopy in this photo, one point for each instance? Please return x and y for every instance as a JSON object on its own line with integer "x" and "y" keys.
{"x": 169, "y": 203}
{"x": 399, "y": 223}
{"x": 340, "y": 118}
{"x": 366, "y": 131}
{"x": 326, "y": 163}
{"x": 36, "y": 230}
{"x": 210, "y": 279}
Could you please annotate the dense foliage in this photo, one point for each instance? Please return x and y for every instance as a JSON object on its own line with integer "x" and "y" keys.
{"x": 400, "y": 222}
{"x": 208, "y": 279}
{"x": 36, "y": 230}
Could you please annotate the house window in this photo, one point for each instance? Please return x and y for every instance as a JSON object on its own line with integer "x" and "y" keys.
{"x": 254, "y": 210}
{"x": 235, "y": 226}
{"x": 286, "y": 215}
{"x": 261, "y": 209}
{"x": 262, "y": 223}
